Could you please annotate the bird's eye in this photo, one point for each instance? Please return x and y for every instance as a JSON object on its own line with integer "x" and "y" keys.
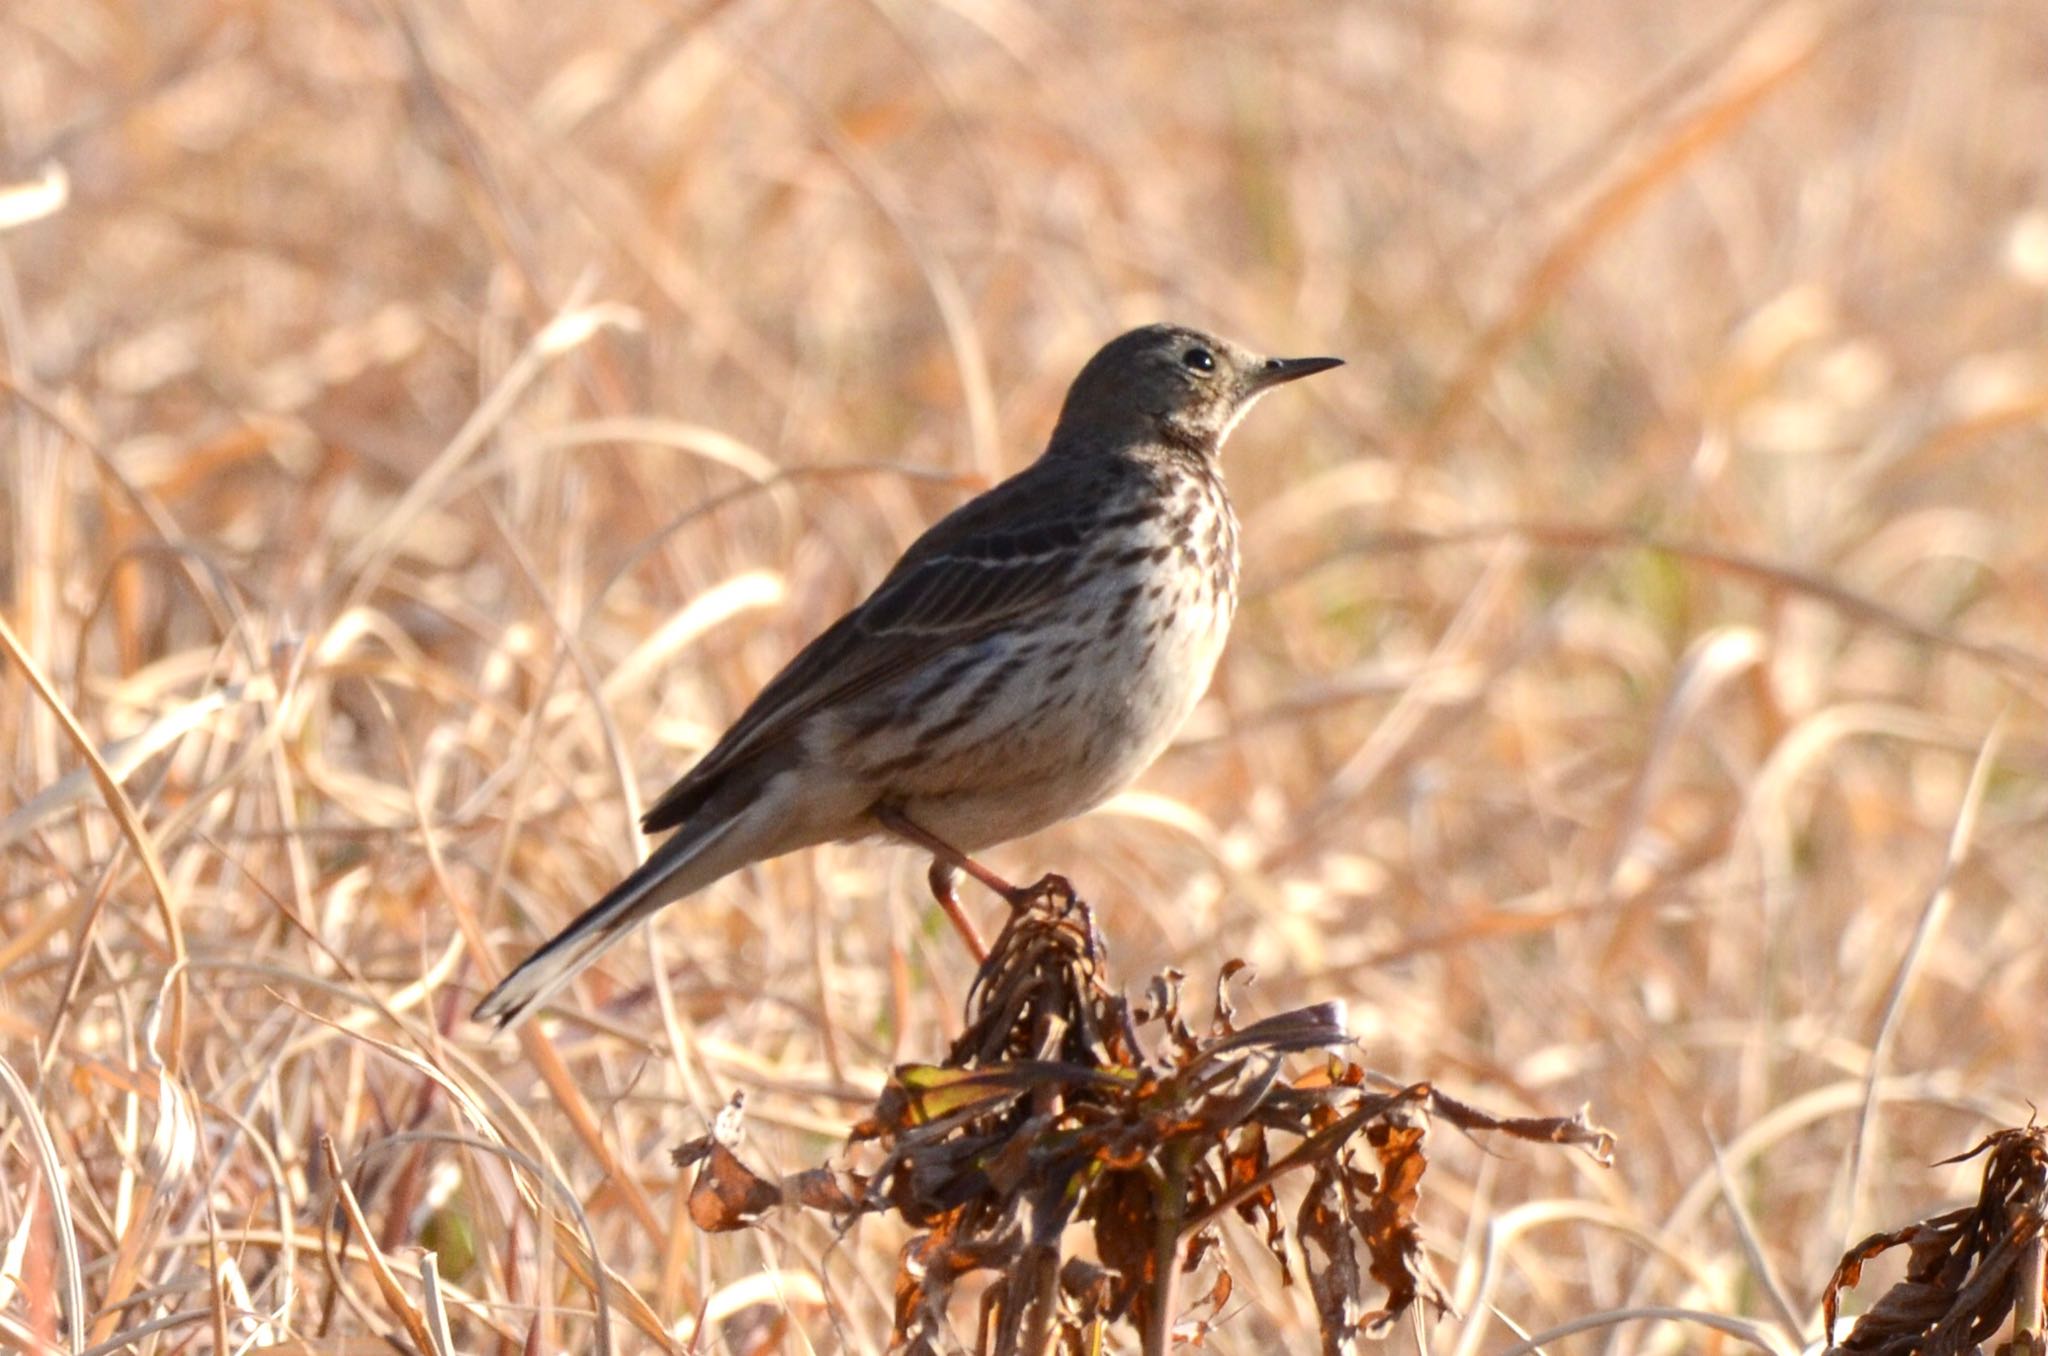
{"x": 1200, "y": 359}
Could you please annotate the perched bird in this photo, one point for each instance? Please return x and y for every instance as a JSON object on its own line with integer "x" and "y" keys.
{"x": 1027, "y": 657}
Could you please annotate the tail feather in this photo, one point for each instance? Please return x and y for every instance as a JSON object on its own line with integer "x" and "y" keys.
{"x": 666, "y": 875}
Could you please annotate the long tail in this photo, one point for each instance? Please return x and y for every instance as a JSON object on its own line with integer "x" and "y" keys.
{"x": 683, "y": 864}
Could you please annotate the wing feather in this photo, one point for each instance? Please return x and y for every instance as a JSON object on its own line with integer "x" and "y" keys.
{"x": 981, "y": 568}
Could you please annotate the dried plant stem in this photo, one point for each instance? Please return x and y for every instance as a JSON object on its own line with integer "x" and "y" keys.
{"x": 1044, "y": 1302}
{"x": 2029, "y": 1332}
{"x": 1172, "y": 1208}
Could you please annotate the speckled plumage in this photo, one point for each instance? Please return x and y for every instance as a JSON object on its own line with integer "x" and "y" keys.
{"x": 1028, "y": 656}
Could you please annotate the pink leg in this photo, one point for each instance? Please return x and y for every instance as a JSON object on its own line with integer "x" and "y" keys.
{"x": 941, "y": 878}
{"x": 948, "y": 860}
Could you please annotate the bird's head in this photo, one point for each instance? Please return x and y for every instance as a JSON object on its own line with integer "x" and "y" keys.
{"x": 1171, "y": 384}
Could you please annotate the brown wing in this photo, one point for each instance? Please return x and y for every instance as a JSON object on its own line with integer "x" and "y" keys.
{"x": 991, "y": 561}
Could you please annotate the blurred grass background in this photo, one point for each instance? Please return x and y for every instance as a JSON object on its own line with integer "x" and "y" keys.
{"x": 425, "y": 425}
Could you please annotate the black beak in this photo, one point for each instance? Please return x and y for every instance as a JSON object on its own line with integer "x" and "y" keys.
{"x": 1278, "y": 370}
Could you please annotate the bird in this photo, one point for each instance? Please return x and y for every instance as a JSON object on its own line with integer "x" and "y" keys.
{"x": 1027, "y": 657}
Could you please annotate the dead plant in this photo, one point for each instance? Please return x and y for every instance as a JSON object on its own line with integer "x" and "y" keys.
{"x": 1967, "y": 1269}
{"x": 1080, "y": 1153}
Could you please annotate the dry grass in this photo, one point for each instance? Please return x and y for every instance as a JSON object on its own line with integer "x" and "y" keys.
{"x": 423, "y": 426}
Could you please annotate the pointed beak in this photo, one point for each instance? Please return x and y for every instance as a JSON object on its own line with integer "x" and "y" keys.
{"x": 1278, "y": 370}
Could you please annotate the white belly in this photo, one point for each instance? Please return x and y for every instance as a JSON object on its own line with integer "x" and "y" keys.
{"x": 1048, "y": 750}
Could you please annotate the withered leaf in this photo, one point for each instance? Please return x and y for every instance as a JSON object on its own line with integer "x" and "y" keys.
{"x": 690, "y": 1151}
{"x": 933, "y": 1092}
{"x": 1122, "y": 1208}
{"x": 1384, "y": 1215}
{"x": 1963, "y": 1267}
{"x": 1330, "y": 1256}
{"x": 1087, "y": 1285}
{"x": 728, "y": 1194}
{"x": 1318, "y": 1026}
{"x": 1245, "y": 1164}
{"x": 824, "y": 1189}
{"x": 926, "y": 1271}
{"x": 1226, "y": 1012}
{"x": 1576, "y": 1129}
{"x": 1219, "y": 1293}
